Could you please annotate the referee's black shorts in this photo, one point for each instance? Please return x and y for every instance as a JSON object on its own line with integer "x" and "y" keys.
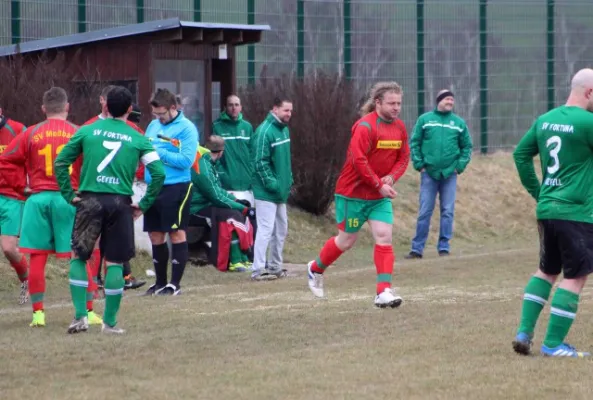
{"x": 170, "y": 210}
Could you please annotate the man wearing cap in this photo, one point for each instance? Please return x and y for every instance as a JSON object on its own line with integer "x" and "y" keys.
{"x": 441, "y": 149}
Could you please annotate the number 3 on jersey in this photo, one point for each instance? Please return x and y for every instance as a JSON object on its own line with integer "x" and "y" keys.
{"x": 554, "y": 140}
{"x": 47, "y": 153}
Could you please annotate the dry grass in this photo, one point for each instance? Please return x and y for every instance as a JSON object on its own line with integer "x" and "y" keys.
{"x": 228, "y": 338}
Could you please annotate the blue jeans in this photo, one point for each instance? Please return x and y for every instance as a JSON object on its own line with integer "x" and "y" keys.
{"x": 429, "y": 188}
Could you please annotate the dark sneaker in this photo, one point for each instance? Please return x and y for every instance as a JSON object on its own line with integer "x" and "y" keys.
{"x": 169, "y": 290}
{"x": 132, "y": 283}
{"x": 443, "y": 253}
{"x": 152, "y": 290}
{"x": 412, "y": 255}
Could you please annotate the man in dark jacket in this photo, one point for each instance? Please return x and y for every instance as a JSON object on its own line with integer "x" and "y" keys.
{"x": 441, "y": 149}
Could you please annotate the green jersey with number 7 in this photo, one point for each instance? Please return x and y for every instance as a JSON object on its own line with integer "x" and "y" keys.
{"x": 563, "y": 137}
{"x": 110, "y": 152}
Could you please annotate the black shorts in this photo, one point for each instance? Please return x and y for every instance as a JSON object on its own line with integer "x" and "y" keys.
{"x": 566, "y": 246}
{"x": 170, "y": 210}
{"x": 109, "y": 216}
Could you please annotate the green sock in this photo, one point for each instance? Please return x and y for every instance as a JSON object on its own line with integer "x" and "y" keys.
{"x": 535, "y": 297}
{"x": 78, "y": 286}
{"x": 236, "y": 253}
{"x": 114, "y": 289}
{"x": 562, "y": 313}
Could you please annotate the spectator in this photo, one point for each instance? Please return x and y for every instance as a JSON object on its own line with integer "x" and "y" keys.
{"x": 236, "y": 167}
{"x": 210, "y": 201}
{"x": 175, "y": 139}
{"x": 271, "y": 188}
{"x": 441, "y": 149}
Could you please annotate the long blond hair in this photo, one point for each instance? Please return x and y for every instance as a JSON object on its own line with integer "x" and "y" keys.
{"x": 377, "y": 92}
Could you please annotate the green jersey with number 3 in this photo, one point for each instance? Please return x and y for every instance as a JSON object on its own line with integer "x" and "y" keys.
{"x": 563, "y": 137}
{"x": 110, "y": 152}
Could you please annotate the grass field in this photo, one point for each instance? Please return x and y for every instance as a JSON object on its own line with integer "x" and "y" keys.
{"x": 229, "y": 338}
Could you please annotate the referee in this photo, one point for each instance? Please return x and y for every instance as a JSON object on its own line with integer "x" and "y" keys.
{"x": 175, "y": 139}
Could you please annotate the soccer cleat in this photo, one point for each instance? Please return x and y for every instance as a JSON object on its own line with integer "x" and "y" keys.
{"x": 38, "y": 319}
{"x": 94, "y": 318}
{"x": 259, "y": 275}
{"x": 79, "y": 325}
{"x": 564, "y": 350}
{"x": 169, "y": 290}
{"x": 132, "y": 283}
{"x": 315, "y": 281}
{"x": 522, "y": 343}
{"x": 24, "y": 294}
{"x": 388, "y": 299}
{"x": 238, "y": 267}
{"x": 153, "y": 289}
{"x": 112, "y": 330}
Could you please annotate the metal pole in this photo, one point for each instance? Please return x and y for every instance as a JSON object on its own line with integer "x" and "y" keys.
{"x": 15, "y": 21}
{"x": 139, "y": 11}
{"x": 81, "y": 16}
{"x": 251, "y": 47}
{"x": 420, "y": 55}
{"x": 197, "y": 10}
{"x": 550, "y": 55}
{"x": 483, "y": 78}
{"x": 347, "y": 40}
{"x": 300, "y": 38}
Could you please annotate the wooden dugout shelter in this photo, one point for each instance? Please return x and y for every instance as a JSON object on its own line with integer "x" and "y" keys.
{"x": 193, "y": 59}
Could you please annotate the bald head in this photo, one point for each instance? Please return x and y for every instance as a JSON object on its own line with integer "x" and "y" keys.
{"x": 581, "y": 90}
{"x": 583, "y": 79}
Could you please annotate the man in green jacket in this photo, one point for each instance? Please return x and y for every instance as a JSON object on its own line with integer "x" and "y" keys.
{"x": 210, "y": 200}
{"x": 271, "y": 188}
{"x": 441, "y": 149}
{"x": 236, "y": 167}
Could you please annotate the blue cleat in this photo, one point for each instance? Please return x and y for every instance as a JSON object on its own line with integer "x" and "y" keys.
{"x": 564, "y": 350}
{"x": 522, "y": 343}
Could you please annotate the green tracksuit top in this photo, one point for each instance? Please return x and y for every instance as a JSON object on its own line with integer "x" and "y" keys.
{"x": 273, "y": 169}
{"x": 207, "y": 191}
{"x": 563, "y": 138}
{"x": 440, "y": 144}
{"x": 235, "y": 168}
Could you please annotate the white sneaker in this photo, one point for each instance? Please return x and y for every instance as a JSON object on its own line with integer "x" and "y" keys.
{"x": 112, "y": 330}
{"x": 315, "y": 281}
{"x": 79, "y": 325}
{"x": 388, "y": 299}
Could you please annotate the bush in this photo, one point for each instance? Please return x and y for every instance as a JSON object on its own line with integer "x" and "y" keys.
{"x": 25, "y": 79}
{"x": 324, "y": 109}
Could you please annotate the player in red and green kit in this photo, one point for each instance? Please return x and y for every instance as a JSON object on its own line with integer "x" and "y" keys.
{"x": 110, "y": 152}
{"x": 378, "y": 156}
{"x": 47, "y": 218}
{"x": 11, "y": 204}
{"x": 563, "y": 138}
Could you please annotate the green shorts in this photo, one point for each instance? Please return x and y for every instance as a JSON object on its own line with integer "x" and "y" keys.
{"x": 47, "y": 225}
{"x": 11, "y": 211}
{"x": 351, "y": 214}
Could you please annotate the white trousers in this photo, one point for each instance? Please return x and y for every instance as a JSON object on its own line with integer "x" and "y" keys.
{"x": 272, "y": 227}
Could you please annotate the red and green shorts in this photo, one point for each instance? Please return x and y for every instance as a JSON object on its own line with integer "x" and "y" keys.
{"x": 351, "y": 213}
{"x": 47, "y": 225}
{"x": 11, "y": 212}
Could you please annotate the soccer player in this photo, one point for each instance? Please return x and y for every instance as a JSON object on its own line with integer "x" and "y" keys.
{"x": 175, "y": 139}
{"x": 563, "y": 138}
{"x": 377, "y": 157}
{"x": 111, "y": 150}
{"x": 11, "y": 205}
{"x": 94, "y": 265}
{"x": 47, "y": 218}
{"x": 236, "y": 167}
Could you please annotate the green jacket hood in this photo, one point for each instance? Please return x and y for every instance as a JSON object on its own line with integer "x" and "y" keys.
{"x": 226, "y": 118}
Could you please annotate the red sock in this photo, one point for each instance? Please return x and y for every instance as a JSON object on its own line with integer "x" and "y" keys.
{"x": 21, "y": 268}
{"x": 37, "y": 280}
{"x": 329, "y": 253}
{"x": 384, "y": 260}
{"x": 92, "y": 270}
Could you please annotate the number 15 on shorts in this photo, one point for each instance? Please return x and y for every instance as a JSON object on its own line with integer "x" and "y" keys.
{"x": 353, "y": 223}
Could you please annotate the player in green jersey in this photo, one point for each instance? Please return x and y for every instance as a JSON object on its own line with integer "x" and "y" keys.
{"x": 111, "y": 150}
{"x": 563, "y": 138}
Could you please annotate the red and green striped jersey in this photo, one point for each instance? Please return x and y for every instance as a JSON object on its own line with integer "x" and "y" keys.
{"x": 110, "y": 150}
